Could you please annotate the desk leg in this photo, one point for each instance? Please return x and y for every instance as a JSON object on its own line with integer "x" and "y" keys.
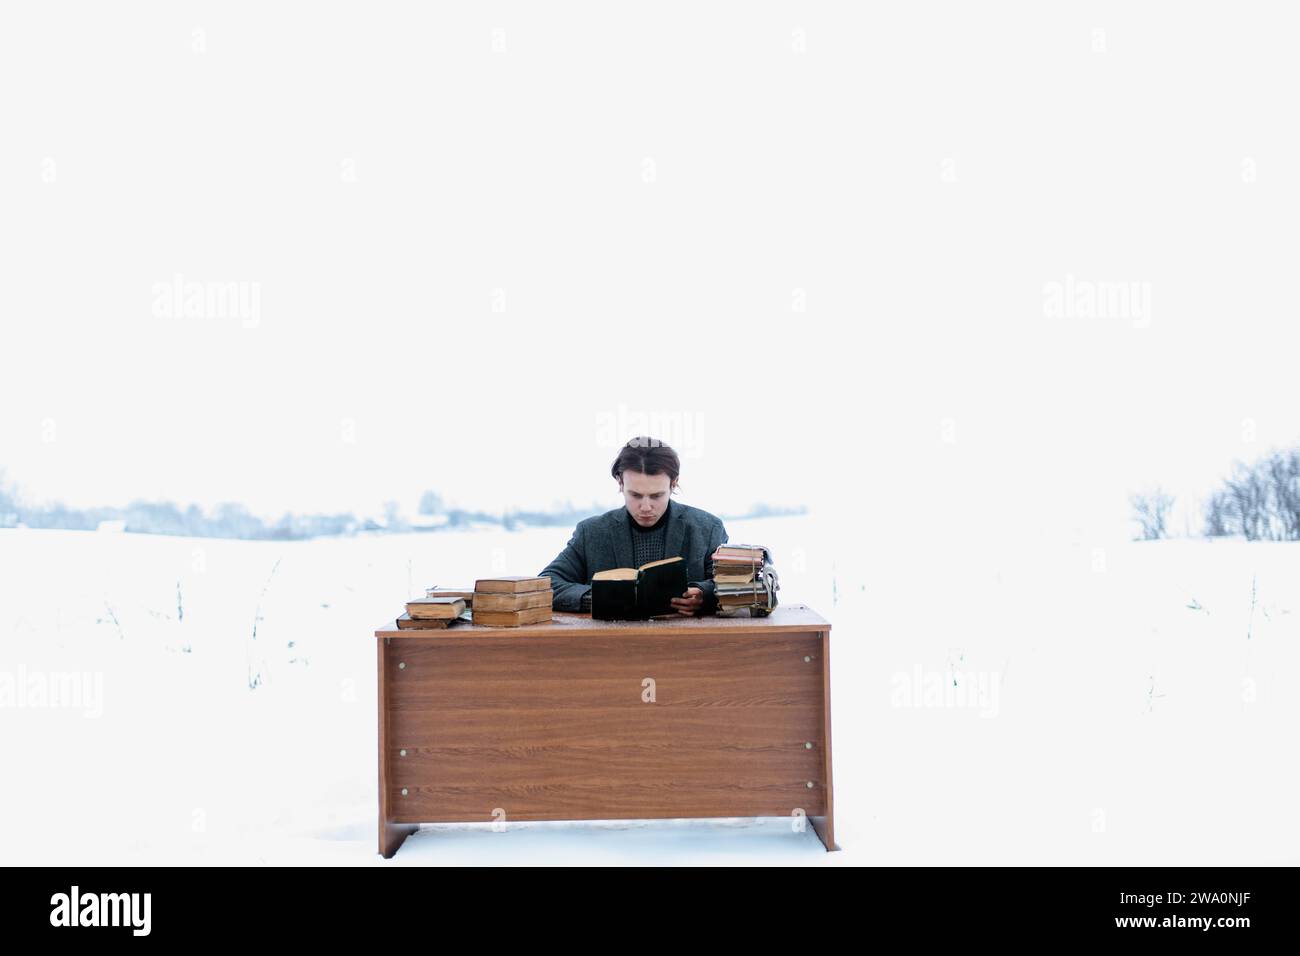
{"x": 391, "y": 834}
{"x": 825, "y": 826}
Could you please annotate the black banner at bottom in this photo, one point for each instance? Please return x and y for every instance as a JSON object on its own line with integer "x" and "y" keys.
{"x": 214, "y": 905}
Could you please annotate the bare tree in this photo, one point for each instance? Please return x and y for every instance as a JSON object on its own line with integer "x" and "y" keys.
{"x": 1283, "y": 471}
{"x": 1151, "y": 511}
{"x": 1217, "y": 517}
{"x": 1261, "y": 501}
{"x": 1248, "y": 491}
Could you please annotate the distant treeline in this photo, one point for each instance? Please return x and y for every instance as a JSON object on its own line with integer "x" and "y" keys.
{"x": 1259, "y": 502}
{"x": 235, "y": 521}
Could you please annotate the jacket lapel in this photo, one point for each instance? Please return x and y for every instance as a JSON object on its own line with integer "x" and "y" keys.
{"x": 620, "y": 539}
{"x": 675, "y": 534}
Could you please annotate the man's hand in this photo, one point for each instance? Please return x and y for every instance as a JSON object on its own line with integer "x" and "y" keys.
{"x": 689, "y": 603}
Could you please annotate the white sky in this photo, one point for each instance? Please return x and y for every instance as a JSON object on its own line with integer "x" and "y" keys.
{"x": 920, "y": 174}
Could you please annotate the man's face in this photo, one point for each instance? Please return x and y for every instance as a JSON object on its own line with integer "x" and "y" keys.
{"x": 646, "y": 496}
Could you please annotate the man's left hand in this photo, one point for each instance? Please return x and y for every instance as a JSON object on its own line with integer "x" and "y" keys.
{"x": 689, "y": 603}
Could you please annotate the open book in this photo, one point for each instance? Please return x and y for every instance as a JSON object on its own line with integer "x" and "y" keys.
{"x": 632, "y": 594}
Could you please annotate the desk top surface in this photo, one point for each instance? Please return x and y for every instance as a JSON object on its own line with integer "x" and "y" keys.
{"x": 791, "y": 617}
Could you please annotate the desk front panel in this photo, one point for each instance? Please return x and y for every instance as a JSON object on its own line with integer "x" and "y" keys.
{"x": 559, "y": 727}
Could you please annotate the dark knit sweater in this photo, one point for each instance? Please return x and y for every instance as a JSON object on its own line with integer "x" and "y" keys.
{"x": 647, "y": 545}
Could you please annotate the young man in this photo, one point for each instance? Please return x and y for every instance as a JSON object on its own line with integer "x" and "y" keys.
{"x": 649, "y": 527}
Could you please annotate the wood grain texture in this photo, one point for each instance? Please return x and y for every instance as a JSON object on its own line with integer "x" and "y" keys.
{"x": 391, "y": 834}
{"x": 824, "y": 823}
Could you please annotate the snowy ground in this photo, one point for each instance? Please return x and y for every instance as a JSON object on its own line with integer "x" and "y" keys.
{"x": 1069, "y": 703}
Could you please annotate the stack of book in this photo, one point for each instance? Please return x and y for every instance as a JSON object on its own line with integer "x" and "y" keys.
{"x": 511, "y": 601}
{"x": 743, "y": 577}
{"x": 431, "y": 612}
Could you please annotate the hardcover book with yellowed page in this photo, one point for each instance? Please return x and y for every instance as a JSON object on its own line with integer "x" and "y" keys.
{"x": 435, "y": 609}
{"x": 633, "y": 594}
{"x": 512, "y": 584}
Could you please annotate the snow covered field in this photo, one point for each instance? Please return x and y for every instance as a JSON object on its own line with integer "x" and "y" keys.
{"x": 1121, "y": 703}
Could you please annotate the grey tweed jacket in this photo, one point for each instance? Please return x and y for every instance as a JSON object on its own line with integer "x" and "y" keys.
{"x": 604, "y": 541}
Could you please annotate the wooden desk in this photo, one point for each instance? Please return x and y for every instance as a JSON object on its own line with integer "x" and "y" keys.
{"x": 600, "y": 720}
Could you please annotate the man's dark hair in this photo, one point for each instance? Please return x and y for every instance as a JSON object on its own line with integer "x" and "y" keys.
{"x": 649, "y": 456}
